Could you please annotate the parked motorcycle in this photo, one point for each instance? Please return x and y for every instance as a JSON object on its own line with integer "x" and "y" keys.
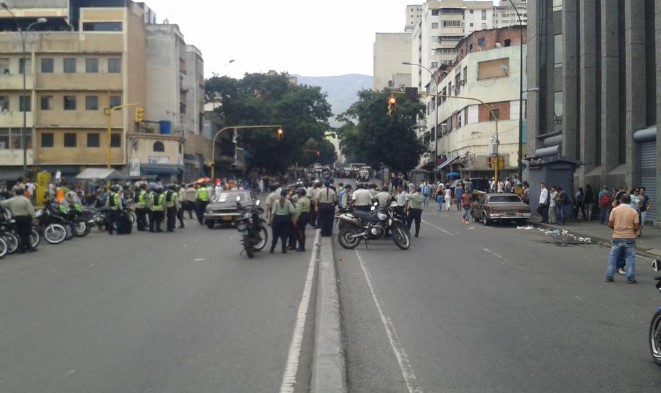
{"x": 359, "y": 225}
{"x": 253, "y": 229}
{"x": 9, "y": 233}
{"x": 655, "y": 324}
{"x": 52, "y": 227}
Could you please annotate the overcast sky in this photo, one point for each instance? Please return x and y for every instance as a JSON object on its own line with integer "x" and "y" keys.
{"x": 304, "y": 37}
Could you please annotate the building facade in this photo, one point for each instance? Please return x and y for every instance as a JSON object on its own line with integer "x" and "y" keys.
{"x": 79, "y": 60}
{"x": 593, "y": 90}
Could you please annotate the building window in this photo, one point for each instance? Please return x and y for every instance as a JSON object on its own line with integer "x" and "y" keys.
{"x": 508, "y": 43}
{"x": 451, "y": 23}
{"x": 93, "y": 140}
{"x": 481, "y": 41}
{"x": 91, "y": 103}
{"x": 46, "y": 103}
{"x": 69, "y": 65}
{"x": 558, "y": 50}
{"x": 47, "y": 139}
{"x": 47, "y": 65}
{"x": 25, "y": 104}
{"x": 484, "y": 14}
{"x": 159, "y": 147}
{"x": 557, "y": 107}
{"x": 115, "y": 140}
{"x": 494, "y": 114}
{"x": 115, "y": 101}
{"x": 4, "y": 66}
{"x": 69, "y": 139}
{"x": 434, "y": 25}
{"x": 69, "y": 103}
{"x": 4, "y": 103}
{"x": 434, "y": 64}
{"x": 102, "y": 26}
{"x": 92, "y": 66}
{"x": 114, "y": 65}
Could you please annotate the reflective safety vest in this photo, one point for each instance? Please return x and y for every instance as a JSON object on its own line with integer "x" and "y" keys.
{"x": 141, "y": 204}
{"x": 203, "y": 194}
{"x": 114, "y": 201}
{"x": 173, "y": 199}
{"x": 157, "y": 205}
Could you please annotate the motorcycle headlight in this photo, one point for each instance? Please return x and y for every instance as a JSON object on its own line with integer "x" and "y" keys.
{"x": 38, "y": 213}
{"x": 382, "y": 216}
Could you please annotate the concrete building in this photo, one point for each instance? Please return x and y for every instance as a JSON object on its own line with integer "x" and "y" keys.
{"x": 413, "y": 16}
{"x": 479, "y": 104}
{"x": 390, "y": 51}
{"x": 505, "y": 15}
{"x": 594, "y": 91}
{"x": 85, "y": 58}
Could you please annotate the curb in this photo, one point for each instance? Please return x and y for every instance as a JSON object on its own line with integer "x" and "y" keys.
{"x": 329, "y": 362}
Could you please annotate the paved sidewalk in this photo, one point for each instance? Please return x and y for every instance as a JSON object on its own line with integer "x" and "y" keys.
{"x": 649, "y": 244}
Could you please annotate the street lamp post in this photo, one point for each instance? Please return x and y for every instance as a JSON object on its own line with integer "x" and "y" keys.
{"x": 213, "y": 142}
{"x": 520, "y": 149}
{"x": 435, "y": 110}
{"x": 23, "y": 100}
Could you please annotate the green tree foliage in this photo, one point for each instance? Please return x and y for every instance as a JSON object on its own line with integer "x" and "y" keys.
{"x": 258, "y": 99}
{"x": 370, "y": 135}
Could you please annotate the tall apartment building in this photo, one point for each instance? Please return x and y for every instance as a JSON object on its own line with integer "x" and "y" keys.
{"x": 390, "y": 51}
{"x": 594, "y": 90}
{"x": 82, "y": 59}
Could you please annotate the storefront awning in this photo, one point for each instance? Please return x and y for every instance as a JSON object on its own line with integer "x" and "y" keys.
{"x": 448, "y": 162}
{"x": 160, "y": 169}
{"x": 99, "y": 173}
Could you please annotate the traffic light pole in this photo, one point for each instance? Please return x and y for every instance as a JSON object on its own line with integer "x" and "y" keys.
{"x": 237, "y": 128}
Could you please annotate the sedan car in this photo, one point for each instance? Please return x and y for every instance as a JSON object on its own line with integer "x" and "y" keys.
{"x": 223, "y": 209}
{"x": 503, "y": 207}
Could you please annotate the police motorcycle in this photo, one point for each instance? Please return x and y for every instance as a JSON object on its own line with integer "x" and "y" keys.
{"x": 655, "y": 324}
{"x": 82, "y": 219}
{"x": 9, "y": 233}
{"x": 361, "y": 225}
{"x": 51, "y": 225}
{"x": 251, "y": 225}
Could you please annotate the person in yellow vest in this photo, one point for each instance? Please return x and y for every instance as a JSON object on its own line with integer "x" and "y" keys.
{"x": 158, "y": 209}
{"x": 202, "y": 202}
{"x": 303, "y": 208}
{"x": 114, "y": 205}
{"x": 171, "y": 206}
{"x": 141, "y": 207}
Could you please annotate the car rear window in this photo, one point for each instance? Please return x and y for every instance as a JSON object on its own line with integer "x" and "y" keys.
{"x": 227, "y": 196}
{"x": 505, "y": 198}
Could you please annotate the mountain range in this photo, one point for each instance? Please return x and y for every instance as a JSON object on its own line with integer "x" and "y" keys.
{"x": 341, "y": 91}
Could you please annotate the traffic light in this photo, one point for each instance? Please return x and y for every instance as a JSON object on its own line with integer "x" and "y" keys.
{"x": 139, "y": 114}
{"x": 392, "y": 101}
{"x": 492, "y": 162}
{"x": 316, "y": 153}
{"x": 280, "y": 132}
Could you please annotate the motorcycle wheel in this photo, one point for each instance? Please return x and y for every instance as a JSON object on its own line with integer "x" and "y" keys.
{"x": 655, "y": 337}
{"x": 69, "y": 231}
{"x": 348, "y": 239}
{"x": 264, "y": 234}
{"x": 35, "y": 238}
{"x": 55, "y": 233}
{"x": 401, "y": 236}
{"x": 80, "y": 229}
{"x": 12, "y": 242}
{"x": 247, "y": 245}
{"x": 342, "y": 224}
{"x": 3, "y": 247}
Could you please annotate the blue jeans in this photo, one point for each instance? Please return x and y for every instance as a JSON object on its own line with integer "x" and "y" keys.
{"x": 605, "y": 212}
{"x": 439, "y": 201}
{"x": 560, "y": 213}
{"x": 426, "y": 201}
{"x": 619, "y": 247}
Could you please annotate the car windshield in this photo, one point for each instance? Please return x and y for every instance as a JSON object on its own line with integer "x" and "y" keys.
{"x": 504, "y": 198}
{"x": 230, "y": 196}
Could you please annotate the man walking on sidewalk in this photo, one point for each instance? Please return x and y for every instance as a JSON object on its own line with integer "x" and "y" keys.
{"x": 543, "y": 207}
{"x": 625, "y": 223}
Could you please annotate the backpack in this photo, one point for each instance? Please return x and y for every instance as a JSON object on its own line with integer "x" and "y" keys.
{"x": 112, "y": 202}
{"x": 157, "y": 199}
{"x": 168, "y": 196}
{"x": 605, "y": 200}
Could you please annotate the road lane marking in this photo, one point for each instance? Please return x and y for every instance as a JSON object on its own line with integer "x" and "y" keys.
{"x": 438, "y": 228}
{"x": 289, "y": 377}
{"x": 492, "y": 253}
{"x": 402, "y": 357}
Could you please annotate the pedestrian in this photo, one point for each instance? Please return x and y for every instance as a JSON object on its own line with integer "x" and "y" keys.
{"x": 543, "y": 206}
{"x": 383, "y": 197}
{"x": 624, "y": 222}
{"x": 157, "y": 208}
{"x": 271, "y": 198}
{"x": 439, "y": 196}
{"x": 588, "y": 203}
{"x": 281, "y": 217}
{"x": 466, "y": 201}
{"x": 171, "y": 197}
{"x": 447, "y": 193}
{"x": 645, "y": 205}
{"x": 560, "y": 203}
{"x": 23, "y": 213}
{"x": 458, "y": 191}
{"x": 181, "y": 199}
{"x": 344, "y": 197}
{"x": 426, "y": 190}
{"x": 190, "y": 196}
{"x": 553, "y": 199}
{"x": 605, "y": 204}
{"x": 326, "y": 199}
{"x": 579, "y": 204}
{"x": 414, "y": 209}
{"x": 525, "y": 194}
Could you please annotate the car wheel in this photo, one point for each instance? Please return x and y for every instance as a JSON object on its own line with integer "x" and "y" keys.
{"x": 210, "y": 224}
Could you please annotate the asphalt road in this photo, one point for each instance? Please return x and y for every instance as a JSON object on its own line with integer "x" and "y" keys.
{"x": 470, "y": 308}
{"x": 165, "y": 312}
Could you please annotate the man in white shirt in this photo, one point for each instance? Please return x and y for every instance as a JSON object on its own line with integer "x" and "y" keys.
{"x": 543, "y": 208}
{"x": 361, "y": 199}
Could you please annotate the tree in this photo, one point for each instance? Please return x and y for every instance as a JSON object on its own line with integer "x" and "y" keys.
{"x": 371, "y": 135}
{"x": 271, "y": 99}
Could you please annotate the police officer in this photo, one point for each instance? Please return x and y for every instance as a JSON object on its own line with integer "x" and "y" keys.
{"x": 181, "y": 200}
{"x": 303, "y": 207}
{"x": 171, "y": 206}
{"x": 114, "y": 205}
{"x": 141, "y": 207}
{"x": 157, "y": 209}
{"x": 23, "y": 212}
{"x": 326, "y": 199}
{"x": 202, "y": 202}
{"x": 281, "y": 217}
{"x": 416, "y": 199}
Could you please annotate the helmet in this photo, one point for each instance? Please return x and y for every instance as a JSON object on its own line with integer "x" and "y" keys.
{"x": 114, "y": 188}
{"x": 301, "y": 191}
{"x": 172, "y": 187}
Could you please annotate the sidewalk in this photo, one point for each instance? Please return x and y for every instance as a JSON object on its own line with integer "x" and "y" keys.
{"x": 649, "y": 244}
